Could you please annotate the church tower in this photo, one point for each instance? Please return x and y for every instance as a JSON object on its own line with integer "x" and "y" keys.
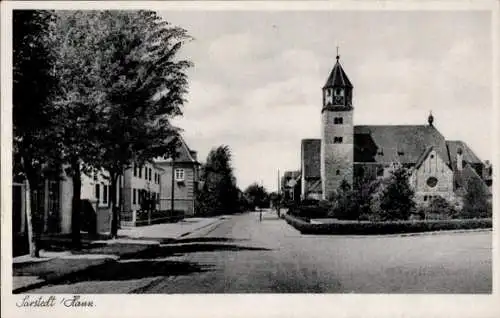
{"x": 337, "y": 132}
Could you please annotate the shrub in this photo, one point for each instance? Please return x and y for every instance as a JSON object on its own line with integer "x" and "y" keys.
{"x": 440, "y": 208}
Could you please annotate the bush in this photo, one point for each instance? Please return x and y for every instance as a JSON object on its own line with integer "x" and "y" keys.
{"x": 389, "y": 227}
{"x": 439, "y": 208}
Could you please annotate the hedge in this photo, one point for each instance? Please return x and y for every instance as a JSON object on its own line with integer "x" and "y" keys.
{"x": 390, "y": 227}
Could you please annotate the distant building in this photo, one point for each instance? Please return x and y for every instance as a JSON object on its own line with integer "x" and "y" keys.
{"x": 349, "y": 152}
{"x": 290, "y": 186}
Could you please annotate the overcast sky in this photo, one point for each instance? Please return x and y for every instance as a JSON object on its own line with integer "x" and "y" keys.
{"x": 256, "y": 83}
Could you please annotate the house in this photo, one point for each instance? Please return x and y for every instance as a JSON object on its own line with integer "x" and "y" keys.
{"x": 151, "y": 182}
{"x": 345, "y": 151}
{"x": 179, "y": 178}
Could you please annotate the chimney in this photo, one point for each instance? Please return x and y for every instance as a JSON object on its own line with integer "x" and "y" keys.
{"x": 459, "y": 159}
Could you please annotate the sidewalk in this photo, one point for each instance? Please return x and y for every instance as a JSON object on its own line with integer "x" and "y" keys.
{"x": 168, "y": 231}
{"x": 54, "y": 266}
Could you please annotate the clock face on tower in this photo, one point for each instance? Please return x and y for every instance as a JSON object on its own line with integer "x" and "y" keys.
{"x": 339, "y": 100}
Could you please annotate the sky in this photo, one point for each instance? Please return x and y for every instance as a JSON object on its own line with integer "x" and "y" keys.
{"x": 257, "y": 78}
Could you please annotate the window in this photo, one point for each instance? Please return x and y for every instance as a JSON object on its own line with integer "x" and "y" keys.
{"x": 97, "y": 192}
{"x": 337, "y": 140}
{"x": 338, "y": 120}
{"x": 134, "y": 196}
{"x": 135, "y": 170}
{"x": 179, "y": 174}
{"x": 432, "y": 181}
{"x": 337, "y": 172}
{"x": 401, "y": 153}
{"x": 150, "y": 171}
{"x": 140, "y": 172}
{"x": 105, "y": 194}
{"x": 432, "y": 156}
{"x": 339, "y": 92}
{"x": 425, "y": 198}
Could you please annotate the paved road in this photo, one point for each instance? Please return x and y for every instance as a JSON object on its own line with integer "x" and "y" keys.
{"x": 243, "y": 255}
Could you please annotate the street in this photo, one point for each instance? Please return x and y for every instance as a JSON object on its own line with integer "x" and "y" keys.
{"x": 244, "y": 255}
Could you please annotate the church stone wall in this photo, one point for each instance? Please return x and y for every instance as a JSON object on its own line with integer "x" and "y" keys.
{"x": 433, "y": 166}
{"x": 336, "y": 158}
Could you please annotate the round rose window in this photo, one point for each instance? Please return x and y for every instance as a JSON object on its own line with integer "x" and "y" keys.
{"x": 432, "y": 181}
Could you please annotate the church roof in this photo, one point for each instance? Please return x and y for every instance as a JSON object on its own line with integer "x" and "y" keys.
{"x": 394, "y": 143}
{"x": 338, "y": 77}
{"x": 462, "y": 179}
{"x": 467, "y": 154}
{"x": 311, "y": 158}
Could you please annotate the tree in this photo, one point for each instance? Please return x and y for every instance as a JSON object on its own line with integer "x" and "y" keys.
{"x": 219, "y": 193}
{"x": 475, "y": 202}
{"x": 80, "y": 100}
{"x": 126, "y": 86}
{"x": 257, "y": 196}
{"x": 33, "y": 112}
{"x": 396, "y": 200}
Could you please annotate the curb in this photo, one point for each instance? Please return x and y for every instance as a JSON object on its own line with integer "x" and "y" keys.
{"x": 61, "y": 278}
{"x": 216, "y": 222}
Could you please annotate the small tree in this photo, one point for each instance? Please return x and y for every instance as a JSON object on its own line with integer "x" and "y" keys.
{"x": 476, "y": 203}
{"x": 219, "y": 193}
{"x": 396, "y": 201}
{"x": 257, "y": 195}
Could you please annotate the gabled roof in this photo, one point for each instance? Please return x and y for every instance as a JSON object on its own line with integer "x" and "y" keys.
{"x": 184, "y": 153}
{"x": 311, "y": 158}
{"x": 467, "y": 154}
{"x": 423, "y": 157}
{"x": 338, "y": 77}
{"x": 391, "y": 143}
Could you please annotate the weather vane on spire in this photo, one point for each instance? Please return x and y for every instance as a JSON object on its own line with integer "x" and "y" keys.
{"x": 338, "y": 56}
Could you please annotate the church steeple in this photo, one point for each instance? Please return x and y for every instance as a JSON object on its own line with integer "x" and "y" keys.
{"x": 337, "y": 90}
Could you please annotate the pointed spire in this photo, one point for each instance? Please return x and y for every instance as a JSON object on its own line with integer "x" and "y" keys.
{"x": 430, "y": 119}
{"x": 338, "y": 77}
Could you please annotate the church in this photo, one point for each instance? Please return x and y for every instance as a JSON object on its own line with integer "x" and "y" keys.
{"x": 439, "y": 167}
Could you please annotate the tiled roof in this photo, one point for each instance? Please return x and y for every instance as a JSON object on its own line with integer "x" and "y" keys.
{"x": 183, "y": 151}
{"x": 403, "y": 144}
{"x": 338, "y": 77}
{"x": 467, "y": 154}
{"x": 311, "y": 158}
{"x": 462, "y": 178}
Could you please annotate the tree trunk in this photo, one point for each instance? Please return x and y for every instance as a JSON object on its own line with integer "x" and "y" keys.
{"x": 33, "y": 235}
{"x": 112, "y": 200}
{"x": 173, "y": 189}
{"x": 76, "y": 206}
